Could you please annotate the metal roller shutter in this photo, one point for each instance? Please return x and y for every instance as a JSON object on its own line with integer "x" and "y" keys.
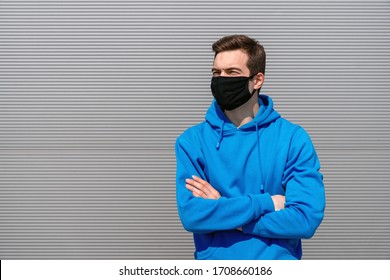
{"x": 94, "y": 93}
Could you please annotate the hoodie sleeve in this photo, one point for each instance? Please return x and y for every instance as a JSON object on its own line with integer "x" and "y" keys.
{"x": 305, "y": 195}
{"x": 199, "y": 215}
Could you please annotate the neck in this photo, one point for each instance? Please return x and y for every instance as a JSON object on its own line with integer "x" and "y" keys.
{"x": 245, "y": 113}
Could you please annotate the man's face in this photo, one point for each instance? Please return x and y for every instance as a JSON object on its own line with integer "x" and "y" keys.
{"x": 231, "y": 63}
{"x": 234, "y": 64}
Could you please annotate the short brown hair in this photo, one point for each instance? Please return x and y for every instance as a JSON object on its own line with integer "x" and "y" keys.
{"x": 255, "y": 51}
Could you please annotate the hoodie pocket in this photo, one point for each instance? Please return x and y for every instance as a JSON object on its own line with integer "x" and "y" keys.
{"x": 206, "y": 254}
{"x": 292, "y": 246}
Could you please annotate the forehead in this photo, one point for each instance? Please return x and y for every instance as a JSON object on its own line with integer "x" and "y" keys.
{"x": 228, "y": 59}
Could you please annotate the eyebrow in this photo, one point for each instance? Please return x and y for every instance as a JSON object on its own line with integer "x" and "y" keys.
{"x": 227, "y": 69}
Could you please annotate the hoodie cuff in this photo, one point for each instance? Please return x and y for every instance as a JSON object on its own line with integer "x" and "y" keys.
{"x": 262, "y": 204}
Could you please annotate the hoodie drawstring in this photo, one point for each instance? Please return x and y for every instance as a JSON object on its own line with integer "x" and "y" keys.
{"x": 220, "y": 135}
{"x": 258, "y": 150}
{"x": 258, "y": 134}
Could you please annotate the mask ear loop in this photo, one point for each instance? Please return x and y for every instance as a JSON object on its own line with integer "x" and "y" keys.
{"x": 251, "y": 77}
{"x": 254, "y": 90}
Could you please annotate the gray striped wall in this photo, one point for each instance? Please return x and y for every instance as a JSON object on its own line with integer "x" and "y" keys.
{"x": 94, "y": 93}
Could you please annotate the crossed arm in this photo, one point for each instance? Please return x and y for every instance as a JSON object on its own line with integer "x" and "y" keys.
{"x": 202, "y": 209}
{"x": 201, "y": 188}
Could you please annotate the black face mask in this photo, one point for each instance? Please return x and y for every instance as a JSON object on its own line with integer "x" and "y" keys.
{"x": 231, "y": 92}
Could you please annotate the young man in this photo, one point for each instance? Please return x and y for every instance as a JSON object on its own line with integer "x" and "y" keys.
{"x": 248, "y": 181}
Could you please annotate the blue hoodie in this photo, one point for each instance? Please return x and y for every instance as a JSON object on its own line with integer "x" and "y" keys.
{"x": 247, "y": 165}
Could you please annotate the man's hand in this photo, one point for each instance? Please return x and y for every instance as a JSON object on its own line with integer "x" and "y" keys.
{"x": 201, "y": 188}
{"x": 279, "y": 201}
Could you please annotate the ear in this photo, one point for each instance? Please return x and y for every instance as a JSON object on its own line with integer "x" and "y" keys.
{"x": 259, "y": 80}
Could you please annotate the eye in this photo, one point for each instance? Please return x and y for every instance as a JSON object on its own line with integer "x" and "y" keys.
{"x": 234, "y": 73}
{"x": 216, "y": 73}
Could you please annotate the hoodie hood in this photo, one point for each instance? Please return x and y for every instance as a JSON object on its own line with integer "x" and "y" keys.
{"x": 219, "y": 122}
{"x": 223, "y": 126}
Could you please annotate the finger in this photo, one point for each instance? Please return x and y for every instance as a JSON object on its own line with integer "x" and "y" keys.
{"x": 203, "y": 186}
{"x": 194, "y": 183}
{"x": 199, "y": 193}
{"x": 196, "y": 192}
{"x": 209, "y": 189}
{"x": 198, "y": 179}
{"x": 215, "y": 193}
